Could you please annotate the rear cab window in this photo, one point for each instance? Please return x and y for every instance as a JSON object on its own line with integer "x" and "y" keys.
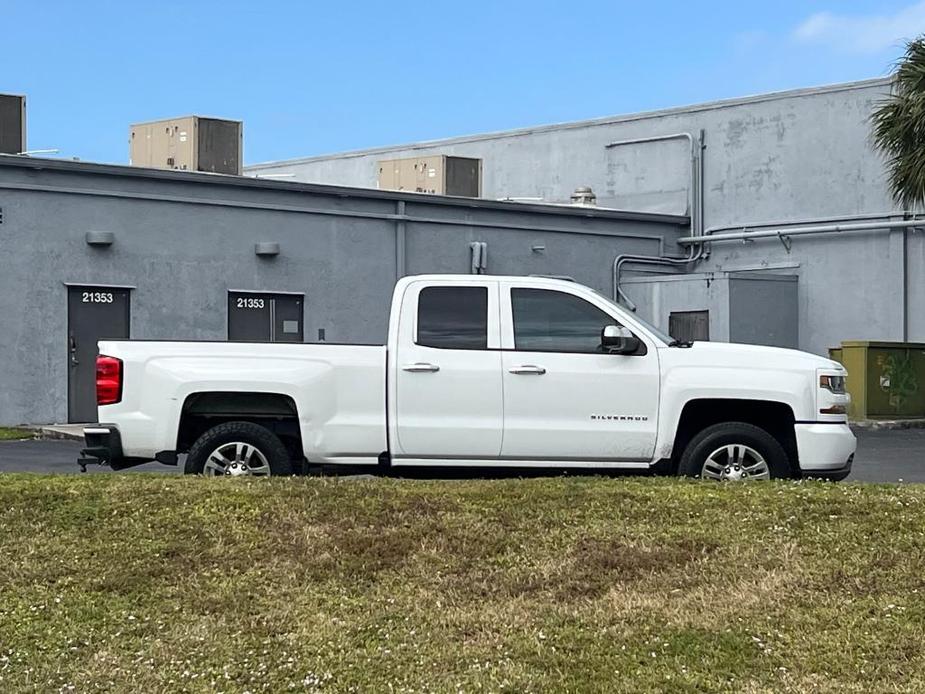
{"x": 453, "y": 317}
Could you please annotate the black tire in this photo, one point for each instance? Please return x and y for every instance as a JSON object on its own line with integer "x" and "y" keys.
{"x": 726, "y": 433}
{"x": 260, "y": 437}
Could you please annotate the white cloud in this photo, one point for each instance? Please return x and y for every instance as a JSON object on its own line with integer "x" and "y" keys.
{"x": 863, "y": 33}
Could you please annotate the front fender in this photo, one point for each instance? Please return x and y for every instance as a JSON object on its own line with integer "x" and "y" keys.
{"x": 682, "y": 385}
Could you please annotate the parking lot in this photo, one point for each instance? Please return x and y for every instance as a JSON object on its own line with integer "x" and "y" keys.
{"x": 883, "y": 456}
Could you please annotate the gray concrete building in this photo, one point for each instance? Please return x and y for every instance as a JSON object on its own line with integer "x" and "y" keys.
{"x": 93, "y": 251}
{"x": 780, "y": 162}
{"x": 765, "y": 219}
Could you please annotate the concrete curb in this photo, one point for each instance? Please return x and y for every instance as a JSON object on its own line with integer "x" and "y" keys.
{"x": 887, "y": 424}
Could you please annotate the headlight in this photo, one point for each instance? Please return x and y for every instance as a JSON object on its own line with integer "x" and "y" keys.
{"x": 833, "y": 384}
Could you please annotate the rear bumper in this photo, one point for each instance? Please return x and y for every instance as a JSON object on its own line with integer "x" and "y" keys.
{"x": 825, "y": 450}
{"x": 103, "y": 446}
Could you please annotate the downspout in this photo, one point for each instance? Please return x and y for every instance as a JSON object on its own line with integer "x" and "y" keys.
{"x": 905, "y": 268}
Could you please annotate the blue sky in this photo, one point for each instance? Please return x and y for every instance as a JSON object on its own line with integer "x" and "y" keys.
{"x": 317, "y": 77}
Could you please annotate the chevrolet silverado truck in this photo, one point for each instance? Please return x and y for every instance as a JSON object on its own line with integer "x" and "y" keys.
{"x": 478, "y": 371}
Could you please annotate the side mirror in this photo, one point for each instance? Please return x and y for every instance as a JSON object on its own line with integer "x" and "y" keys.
{"x": 616, "y": 339}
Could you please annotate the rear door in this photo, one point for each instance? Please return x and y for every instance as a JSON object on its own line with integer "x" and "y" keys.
{"x": 93, "y": 314}
{"x": 448, "y": 376}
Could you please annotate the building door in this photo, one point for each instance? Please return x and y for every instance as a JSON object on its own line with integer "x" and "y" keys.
{"x": 93, "y": 314}
{"x": 688, "y": 326}
{"x": 259, "y": 317}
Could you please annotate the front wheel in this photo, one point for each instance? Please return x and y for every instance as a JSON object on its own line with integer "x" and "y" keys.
{"x": 734, "y": 452}
{"x": 238, "y": 449}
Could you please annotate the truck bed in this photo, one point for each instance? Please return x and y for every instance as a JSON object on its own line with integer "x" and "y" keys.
{"x": 339, "y": 391}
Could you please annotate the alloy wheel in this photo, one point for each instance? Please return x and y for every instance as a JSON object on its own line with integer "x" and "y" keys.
{"x": 236, "y": 459}
{"x": 735, "y": 462}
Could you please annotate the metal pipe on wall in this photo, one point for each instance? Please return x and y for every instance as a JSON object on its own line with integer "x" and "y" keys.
{"x": 696, "y": 203}
{"x": 803, "y": 222}
{"x": 783, "y": 231}
{"x": 621, "y": 260}
{"x": 692, "y": 201}
{"x": 905, "y": 270}
{"x": 776, "y": 229}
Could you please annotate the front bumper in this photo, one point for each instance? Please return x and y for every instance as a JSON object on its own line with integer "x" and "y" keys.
{"x": 825, "y": 450}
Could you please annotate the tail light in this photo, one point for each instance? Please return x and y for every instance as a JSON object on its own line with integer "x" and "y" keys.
{"x": 108, "y": 380}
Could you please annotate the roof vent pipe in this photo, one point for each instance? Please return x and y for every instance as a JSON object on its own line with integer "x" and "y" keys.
{"x": 583, "y": 195}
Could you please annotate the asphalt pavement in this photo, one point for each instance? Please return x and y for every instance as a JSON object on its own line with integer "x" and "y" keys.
{"x": 54, "y": 456}
{"x": 889, "y": 456}
{"x": 883, "y": 456}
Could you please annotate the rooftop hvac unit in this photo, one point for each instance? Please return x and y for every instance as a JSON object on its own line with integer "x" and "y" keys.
{"x": 192, "y": 143}
{"x": 12, "y": 124}
{"x": 436, "y": 174}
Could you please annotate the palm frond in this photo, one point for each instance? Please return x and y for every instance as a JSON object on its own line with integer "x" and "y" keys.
{"x": 898, "y": 125}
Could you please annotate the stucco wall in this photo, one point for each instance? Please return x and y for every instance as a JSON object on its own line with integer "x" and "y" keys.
{"x": 750, "y": 308}
{"x": 804, "y": 153}
{"x": 775, "y": 157}
{"x": 184, "y": 240}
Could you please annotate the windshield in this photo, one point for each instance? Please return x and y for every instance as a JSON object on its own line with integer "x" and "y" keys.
{"x": 661, "y": 335}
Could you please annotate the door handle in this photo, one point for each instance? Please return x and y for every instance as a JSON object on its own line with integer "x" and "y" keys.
{"x": 420, "y": 367}
{"x": 527, "y": 370}
{"x": 72, "y": 348}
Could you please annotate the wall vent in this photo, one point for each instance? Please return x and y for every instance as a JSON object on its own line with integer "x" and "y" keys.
{"x": 1, "y": 215}
{"x": 100, "y": 239}
{"x": 266, "y": 249}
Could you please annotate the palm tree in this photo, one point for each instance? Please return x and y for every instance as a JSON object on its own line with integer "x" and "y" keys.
{"x": 899, "y": 127}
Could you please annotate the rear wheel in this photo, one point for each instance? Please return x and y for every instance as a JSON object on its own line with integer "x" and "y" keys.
{"x": 734, "y": 452}
{"x": 238, "y": 449}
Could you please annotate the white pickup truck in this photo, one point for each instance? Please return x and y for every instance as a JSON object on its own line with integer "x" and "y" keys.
{"x": 478, "y": 371}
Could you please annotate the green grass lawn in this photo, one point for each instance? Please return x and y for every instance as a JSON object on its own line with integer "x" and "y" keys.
{"x": 156, "y": 584}
{"x": 13, "y": 434}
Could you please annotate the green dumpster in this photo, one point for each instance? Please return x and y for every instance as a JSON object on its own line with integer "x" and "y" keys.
{"x": 886, "y": 380}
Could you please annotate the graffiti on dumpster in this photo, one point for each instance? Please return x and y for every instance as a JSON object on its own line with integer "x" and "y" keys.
{"x": 897, "y": 378}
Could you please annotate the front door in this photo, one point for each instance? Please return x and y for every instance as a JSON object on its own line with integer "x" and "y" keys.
{"x": 564, "y": 397}
{"x": 448, "y": 372}
{"x": 263, "y": 317}
{"x": 93, "y": 314}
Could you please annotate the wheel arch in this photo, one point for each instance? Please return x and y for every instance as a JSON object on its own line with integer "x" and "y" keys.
{"x": 204, "y": 410}
{"x": 773, "y": 416}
